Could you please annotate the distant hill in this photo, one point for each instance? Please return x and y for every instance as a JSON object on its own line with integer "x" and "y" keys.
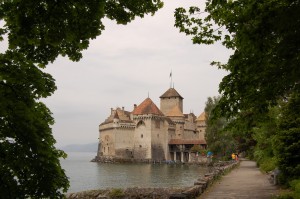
{"x": 92, "y": 147}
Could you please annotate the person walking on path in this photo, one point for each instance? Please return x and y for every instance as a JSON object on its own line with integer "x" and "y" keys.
{"x": 233, "y": 156}
{"x": 237, "y": 157}
{"x": 243, "y": 182}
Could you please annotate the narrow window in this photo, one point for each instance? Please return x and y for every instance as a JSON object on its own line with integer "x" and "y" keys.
{"x": 157, "y": 124}
{"x": 142, "y": 135}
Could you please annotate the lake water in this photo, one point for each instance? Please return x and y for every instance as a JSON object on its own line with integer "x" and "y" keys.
{"x": 86, "y": 175}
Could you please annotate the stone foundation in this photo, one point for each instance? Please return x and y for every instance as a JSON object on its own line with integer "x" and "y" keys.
{"x": 111, "y": 159}
{"x": 201, "y": 160}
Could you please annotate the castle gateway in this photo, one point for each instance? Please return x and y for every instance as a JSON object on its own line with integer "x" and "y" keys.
{"x": 151, "y": 134}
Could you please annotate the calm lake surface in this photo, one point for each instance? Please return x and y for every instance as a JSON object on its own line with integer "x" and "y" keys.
{"x": 86, "y": 175}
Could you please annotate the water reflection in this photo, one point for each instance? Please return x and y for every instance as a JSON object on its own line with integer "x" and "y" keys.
{"x": 86, "y": 175}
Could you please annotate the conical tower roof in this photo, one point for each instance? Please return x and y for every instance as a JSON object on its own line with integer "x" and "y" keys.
{"x": 202, "y": 117}
{"x": 147, "y": 107}
{"x": 171, "y": 92}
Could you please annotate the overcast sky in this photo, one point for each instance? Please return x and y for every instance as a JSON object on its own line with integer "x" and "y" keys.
{"x": 126, "y": 63}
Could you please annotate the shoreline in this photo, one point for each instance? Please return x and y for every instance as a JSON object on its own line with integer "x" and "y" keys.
{"x": 201, "y": 160}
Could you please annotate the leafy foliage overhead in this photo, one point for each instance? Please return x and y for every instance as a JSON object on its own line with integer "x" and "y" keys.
{"x": 38, "y": 31}
{"x": 44, "y": 29}
{"x": 265, "y": 38}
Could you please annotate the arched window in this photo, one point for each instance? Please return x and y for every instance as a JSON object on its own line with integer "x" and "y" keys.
{"x": 140, "y": 123}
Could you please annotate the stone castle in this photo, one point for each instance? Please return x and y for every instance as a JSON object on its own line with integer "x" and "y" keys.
{"x": 152, "y": 134}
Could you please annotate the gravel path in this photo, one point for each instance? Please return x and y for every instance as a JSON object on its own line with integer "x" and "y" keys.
{"x": 245, "y": 182}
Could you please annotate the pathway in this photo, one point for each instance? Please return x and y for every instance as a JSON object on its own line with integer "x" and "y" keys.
{"x": 243, "y": 182}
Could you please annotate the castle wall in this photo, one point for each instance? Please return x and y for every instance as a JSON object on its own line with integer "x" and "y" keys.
{"x": 158, "y": 139}
{"x": 170, "y": 129}
{"x": 189, "y": 125}
{"x": 142, "y": 139}
{"x": 190, "y": 131}
{"x": 201, "y": 127}
{"x": 124, "y": 143}
{"x": 166, "y": 104}
{"x": 171, "y": 133}
{"x": 179, "y": 131}
{"x": 191, "y": 134}
{"x": 179, "y": 127}
{"x": 201, "y": 131}
{"x": 107, "y": 140}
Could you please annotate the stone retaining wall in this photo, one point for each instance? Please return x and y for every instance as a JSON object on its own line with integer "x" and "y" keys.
{"x": 158, "y": 193}
{"x": 111, "y": 159}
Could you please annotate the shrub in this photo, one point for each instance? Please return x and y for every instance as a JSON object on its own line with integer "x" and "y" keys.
{"x": 294, "y": 193}
{"x": 115, "y": 193}
{"x": 295, "y": 185}
{"x": 196, "y": 148}
{"x": 268, "y": 164}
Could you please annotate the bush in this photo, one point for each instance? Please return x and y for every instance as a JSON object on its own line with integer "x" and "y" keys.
{"x": 268, "y": 164}
{"x": 115, "y": 193}
{"x": 285, "y": 196}
{"x": 294, "y": 193}
{"x": 196, "y": 148}
{"x": 295, "y": 185}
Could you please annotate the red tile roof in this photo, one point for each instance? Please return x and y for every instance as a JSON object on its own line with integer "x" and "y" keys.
{"x": 171, "y": 92}
{"x": 185, "y": 141}
{"x": 147, "y": 107}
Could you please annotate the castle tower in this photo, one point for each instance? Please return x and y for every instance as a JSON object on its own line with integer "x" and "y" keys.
{"x": 201, "y": 125}
{"x": 170, "y": 99}
{"x": 116, "y": 120}
{"x": 116, "y": 134}
{"x": 150, "y": 135}
{"x": 176, "y": 115}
